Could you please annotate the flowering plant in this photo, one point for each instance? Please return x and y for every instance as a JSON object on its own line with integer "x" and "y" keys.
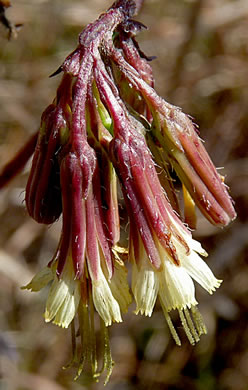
{"x": 107, "y": 128}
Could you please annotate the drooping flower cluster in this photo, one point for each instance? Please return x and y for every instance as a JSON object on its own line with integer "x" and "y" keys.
{"x": 108, "y": 127}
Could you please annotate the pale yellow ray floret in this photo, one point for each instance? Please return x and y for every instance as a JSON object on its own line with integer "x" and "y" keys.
{"x": 64, "y": 294}
{"x": 40, "y": 280}
{"x": 119, "y": 286}
{"x": 63, "y": 298}
{"x": 173, "y": 284}
{"x": 110, "y": 296}
{"x": 105, "y": 303}
{"x": 145, "y": 286}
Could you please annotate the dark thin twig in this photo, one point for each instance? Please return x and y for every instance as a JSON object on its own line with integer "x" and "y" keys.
{"x": 13, "y": 167}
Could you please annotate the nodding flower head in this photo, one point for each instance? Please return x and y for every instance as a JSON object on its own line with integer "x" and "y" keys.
{"x": 108, "y": 131}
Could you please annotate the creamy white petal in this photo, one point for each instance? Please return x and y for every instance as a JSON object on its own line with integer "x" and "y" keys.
{"x": 196, "y": 246}
{"x": 187, "y": 236}
{"x": 104, "y": 301}
{"x": 60, "y": 292}
{"x": 145, "y": 285}
{"x": 68, "y": 308}
{"x": 176, "y": 288}
{"x": 199, "y": 270}
{"x": 40, "y": 280}
{"x": 193, "y": 263}
{"x": 119, "y": 286}
{"x": 57, "y": 295}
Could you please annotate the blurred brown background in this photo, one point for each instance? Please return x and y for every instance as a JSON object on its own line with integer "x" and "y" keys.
{"x": 202, "y": 66}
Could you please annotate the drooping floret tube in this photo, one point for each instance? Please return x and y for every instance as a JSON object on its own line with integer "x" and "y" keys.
{"x": 176, "y": 134}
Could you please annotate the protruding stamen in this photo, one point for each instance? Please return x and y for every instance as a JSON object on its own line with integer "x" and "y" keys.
{"x": 88, "y": 354}
{"x": 92, "y": 335}
{"x": 171, "y": 327}
{"x": 108, "y": 363}
{"x": 198, "y": 320}
{"x": 186, "y": 327}
{"x": 189, "y": 209}
{"x": 191, "y": 325}
{"x": 74, "y": 347}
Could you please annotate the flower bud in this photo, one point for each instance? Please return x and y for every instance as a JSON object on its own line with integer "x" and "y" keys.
{"x": 43, "y": 195}
{"x": 175, "y": 132}
{"x": 194, "y": 167}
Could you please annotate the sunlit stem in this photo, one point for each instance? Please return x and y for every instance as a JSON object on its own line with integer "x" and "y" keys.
{"x": 93, "y": 357}
{"x": 88, "y": 342}
{"x": 73, "y": 345}
{"x": 84, "y": 332}
{"x": 108, "y": 363}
